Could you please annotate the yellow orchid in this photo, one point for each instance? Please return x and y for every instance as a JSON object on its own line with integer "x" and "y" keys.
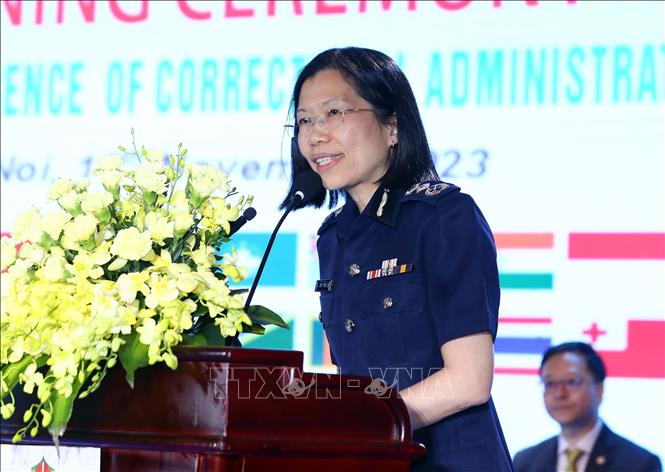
{"x": 128, "y": 285}
{"x": 124, "y": 274}
{"x": 231, "y": 268}
{"x": 162, "y": 291}
{"x": 159, "y": 227}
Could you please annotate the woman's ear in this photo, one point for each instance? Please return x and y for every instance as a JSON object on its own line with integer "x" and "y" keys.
{"x": 392, "y": 129}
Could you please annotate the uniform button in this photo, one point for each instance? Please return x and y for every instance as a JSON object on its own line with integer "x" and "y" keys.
{"x": 354, "y": 269}
{"x": 321, "y": 316}
{"x": 387, "y": 303}
{"x": 349, "y": 325}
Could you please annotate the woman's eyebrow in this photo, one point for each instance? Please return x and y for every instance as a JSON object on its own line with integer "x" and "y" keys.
{"x": 327, "y": 101}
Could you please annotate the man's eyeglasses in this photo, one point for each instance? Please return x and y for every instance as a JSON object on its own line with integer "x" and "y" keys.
{"x": 331, "y": 119}
{"x": 572, "y": 384}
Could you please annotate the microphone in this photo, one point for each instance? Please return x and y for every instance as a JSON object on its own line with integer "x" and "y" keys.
{"x": 247, "y": 215}
{"x": 305, "y": 187}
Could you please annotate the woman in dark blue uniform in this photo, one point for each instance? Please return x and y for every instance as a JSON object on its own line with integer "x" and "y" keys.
{"x": 409, "y": 284}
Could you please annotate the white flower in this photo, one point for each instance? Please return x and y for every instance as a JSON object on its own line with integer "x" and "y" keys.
{"x": 179, "y": 202}
{"x": 81, "y": 228}
{"x": 108, "y": 163}
{"x": 154, "y": 155}
{"x": 54, "y": 268}
{"x": 205, "y": 180}
{"x": 59, "y": 188}
{"x": 96, "y": 202}
{"x": 110, "y": 178}
{"x": 54, "y": 222}
{"x": 31, "y": 253}
{"x": 70, "y": 201}
{"x": 82, "y": 185}
{"x": 27, "y": 226}
{"x": 149, "y": 177}
{"x": 182, "y": 222}
{"x": 131, "y": 244}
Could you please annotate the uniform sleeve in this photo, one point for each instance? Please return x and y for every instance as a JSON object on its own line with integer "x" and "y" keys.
{"x": 461, "y": 276}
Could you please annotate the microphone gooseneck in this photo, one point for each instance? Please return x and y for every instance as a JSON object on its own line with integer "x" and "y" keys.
{"x": 305, "y": 187}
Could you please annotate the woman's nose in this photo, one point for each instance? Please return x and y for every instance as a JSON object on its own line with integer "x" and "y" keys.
{"x": 318, "y": 135}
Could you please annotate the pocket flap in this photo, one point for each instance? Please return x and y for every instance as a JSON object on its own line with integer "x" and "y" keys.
{"x": 394, "y": 296}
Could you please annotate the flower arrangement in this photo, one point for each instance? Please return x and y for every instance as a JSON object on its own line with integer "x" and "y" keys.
{"x": 123, "y": 273}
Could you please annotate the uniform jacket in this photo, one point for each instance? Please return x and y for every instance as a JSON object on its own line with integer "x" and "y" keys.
{"x": 416, "y": 269}
{"x": 610, "y": 453}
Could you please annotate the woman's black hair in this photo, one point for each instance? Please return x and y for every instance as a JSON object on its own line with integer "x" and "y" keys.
{"x": 593, "y": 360}
{"x": 378, "y": 79}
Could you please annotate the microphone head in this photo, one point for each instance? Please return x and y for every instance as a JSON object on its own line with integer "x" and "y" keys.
{"x": 249, "y": 213}
{"x": 306, "y": 186}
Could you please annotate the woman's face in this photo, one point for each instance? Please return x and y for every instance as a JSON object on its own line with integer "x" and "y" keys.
{"x": 352, "y": 154}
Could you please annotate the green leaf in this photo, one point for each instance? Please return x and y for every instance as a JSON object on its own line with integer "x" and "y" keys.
{"x": 194, "y": 340}
{"x": 133, "y": 355}
{"x": 212, "y": 335}
{"x": 254, "y": 328}
{"x": 149, "y": 197}
{"x": 62, "y": 411}
{"x": 262, "y": 315}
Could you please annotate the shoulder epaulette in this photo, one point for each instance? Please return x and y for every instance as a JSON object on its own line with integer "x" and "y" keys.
{"x": 330, "y": 219}
{"x": 431, "y": 191}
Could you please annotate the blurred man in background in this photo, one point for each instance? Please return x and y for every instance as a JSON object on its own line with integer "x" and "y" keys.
{"x": 572, "y": 375}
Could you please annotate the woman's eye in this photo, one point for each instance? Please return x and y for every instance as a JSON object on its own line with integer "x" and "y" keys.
{"x": 334, "y": 112}
{"x": 304, "y": 121}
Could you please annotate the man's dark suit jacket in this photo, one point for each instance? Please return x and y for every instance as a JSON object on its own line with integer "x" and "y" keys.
{"x": 610, "y": 453}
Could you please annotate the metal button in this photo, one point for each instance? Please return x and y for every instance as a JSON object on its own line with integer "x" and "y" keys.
{"x": 321, "y": 316}
{"x": 349, "y": 325}
{"x": 387, "y": 303}
{"x": 354, "y": 269}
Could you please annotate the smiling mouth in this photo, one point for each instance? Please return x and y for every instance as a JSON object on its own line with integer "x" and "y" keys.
{"x": 324, "y": 161}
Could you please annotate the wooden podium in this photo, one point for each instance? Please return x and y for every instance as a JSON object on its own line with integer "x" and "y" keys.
{"x": 235, "y": 409}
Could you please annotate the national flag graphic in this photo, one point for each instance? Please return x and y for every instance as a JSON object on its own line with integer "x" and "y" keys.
{"x": 636, "y": 347}
{"x": 531, "y": 322}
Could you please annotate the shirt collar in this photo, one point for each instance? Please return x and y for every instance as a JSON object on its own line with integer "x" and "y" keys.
{"x": 384, "y": 205}
{"x": 585, "y": 443}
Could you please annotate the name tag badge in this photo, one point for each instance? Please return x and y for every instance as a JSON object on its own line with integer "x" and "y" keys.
{"x": 324, "y": 286}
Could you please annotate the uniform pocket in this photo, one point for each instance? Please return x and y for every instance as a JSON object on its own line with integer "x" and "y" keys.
{"x": 396, "y": 326}
{"x": 385, "y": 308}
